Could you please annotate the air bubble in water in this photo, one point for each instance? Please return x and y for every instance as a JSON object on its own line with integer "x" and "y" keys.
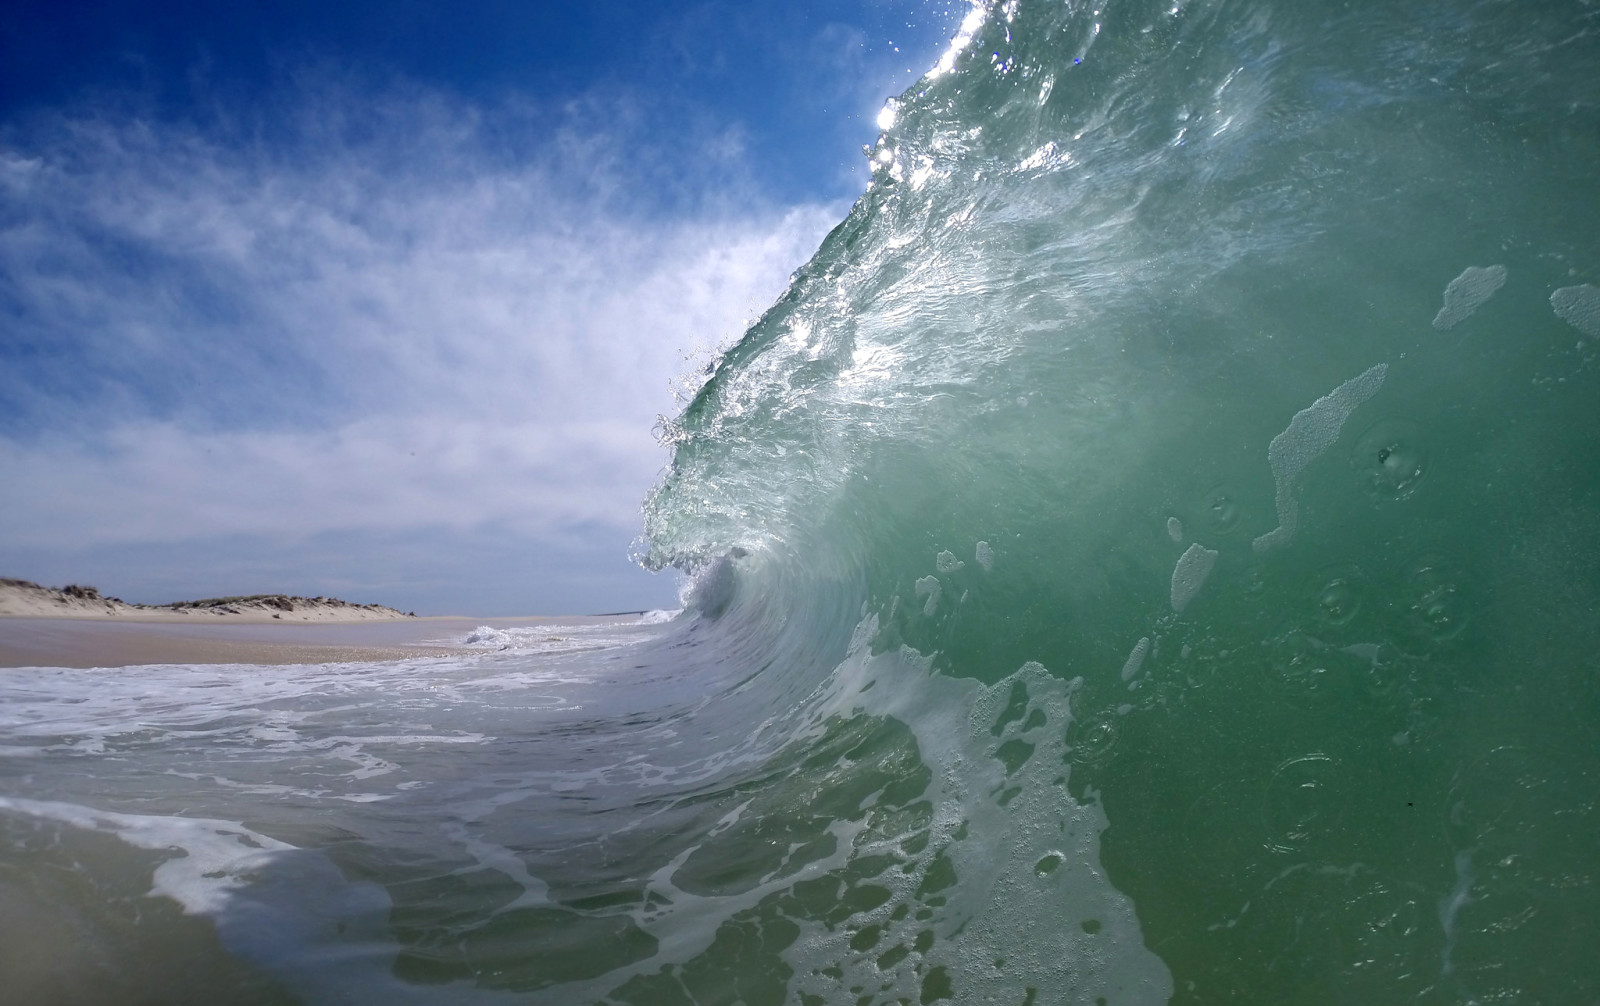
{"x": 1302, "y": 802}
{"x": 1094, "y": 740}
{"x": 1433, "y": 606}
{"x": 1339, "y": 598}
{"x": 1219, "y": 510}
{"x": 1391, "y": 458}
{"x": 1439, "y": 614}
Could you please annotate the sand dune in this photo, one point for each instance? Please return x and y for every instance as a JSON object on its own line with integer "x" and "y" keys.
{"x": 24, "y": 599}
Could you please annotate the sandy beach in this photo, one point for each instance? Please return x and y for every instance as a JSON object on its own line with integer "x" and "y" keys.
{"x": 77, "y": 627}
{"x": 25, "y": 599}
{"x": 105, "y": 642}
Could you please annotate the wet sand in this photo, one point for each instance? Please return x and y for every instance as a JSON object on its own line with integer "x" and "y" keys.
{"x": 101, "y": 642}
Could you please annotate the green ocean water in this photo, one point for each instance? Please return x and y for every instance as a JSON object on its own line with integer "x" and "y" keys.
{"x": 1106, "y": 261}
{"x": 1149, "y": 554}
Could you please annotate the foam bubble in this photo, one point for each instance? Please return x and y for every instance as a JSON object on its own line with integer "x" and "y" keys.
{"x": 930, "y": 586}
{"x": 1175, "y": 529}
{"x": 1468, "y": 292}
{"x": 1578, "y": 306}
{"x": 946, "y": 562}
{"x": 1311, "y": 431}
{"x": 1190, "y": 573}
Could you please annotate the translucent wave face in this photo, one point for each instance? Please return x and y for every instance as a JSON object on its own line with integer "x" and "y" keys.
{"x": 1252, "y": 344}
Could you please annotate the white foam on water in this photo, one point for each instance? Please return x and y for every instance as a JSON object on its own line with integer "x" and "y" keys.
{"x": 218, "y": 856}
{"x": 687, "y": 924}
{"x": 1136, "y": 658}
{"x": 535, "y": 892}
{"x": 1312, "y": 431}
{"x": 984, "y": 555}
{"x": 286, "y": 910}
{"x": 1190, "y": 573}
{"x": 1578, "y": 306}
{"x": 946, "y": 562}
{"x": 554, "y": 638}
{"x": 1175, "y": 529}
{"x": 1468, "y": 292}
{"x": 1025, "y": 853}
{"x": 930, "y": 586}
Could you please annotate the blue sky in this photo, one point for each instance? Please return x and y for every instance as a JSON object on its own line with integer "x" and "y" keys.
{"x": 382, "y": 301}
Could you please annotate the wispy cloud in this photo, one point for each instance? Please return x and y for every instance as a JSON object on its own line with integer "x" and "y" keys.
{"x": 370, "y": 313}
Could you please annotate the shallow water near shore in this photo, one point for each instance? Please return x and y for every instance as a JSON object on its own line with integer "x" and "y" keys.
{"x": 1150, "y": 554}
{"x": 560, "y": 819}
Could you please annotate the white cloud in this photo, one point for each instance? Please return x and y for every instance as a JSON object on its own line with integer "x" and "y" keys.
{"x": 217, "y": 334}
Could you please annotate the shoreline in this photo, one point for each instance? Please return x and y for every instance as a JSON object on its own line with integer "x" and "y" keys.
{"x": 191, "y": 617}
{"x": 109, "y": 642}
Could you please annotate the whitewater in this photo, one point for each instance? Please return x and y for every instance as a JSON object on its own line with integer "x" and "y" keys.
{"x": 1150, "y": 553}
